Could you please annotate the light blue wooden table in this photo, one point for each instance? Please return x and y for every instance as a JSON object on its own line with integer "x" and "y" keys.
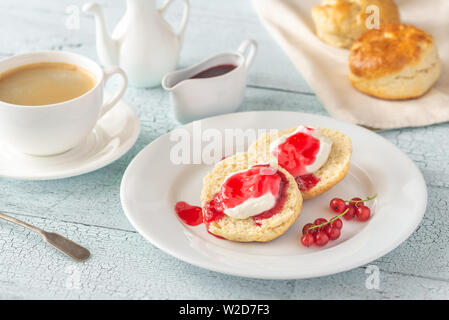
{"x": 87, "y": 208}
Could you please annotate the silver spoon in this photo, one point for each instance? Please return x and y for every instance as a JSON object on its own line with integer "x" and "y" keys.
{"x": 66, "y": 246}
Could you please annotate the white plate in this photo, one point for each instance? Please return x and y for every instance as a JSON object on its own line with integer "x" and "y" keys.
{"x": 152, "y": 185}
{"x": 112, "y": 137}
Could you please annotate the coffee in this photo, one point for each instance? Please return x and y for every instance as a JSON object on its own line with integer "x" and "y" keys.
{"x": 44, "y": 83}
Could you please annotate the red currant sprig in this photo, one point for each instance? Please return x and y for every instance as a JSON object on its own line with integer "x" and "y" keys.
{"x": 321, "y": 231}
{"x": 355, "y": 208}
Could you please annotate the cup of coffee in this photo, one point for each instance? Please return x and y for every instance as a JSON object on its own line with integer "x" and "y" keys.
{"x": 50, "y": 101}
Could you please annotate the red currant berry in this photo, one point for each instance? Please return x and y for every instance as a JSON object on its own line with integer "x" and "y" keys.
{"x": 350, "y": 214}
{"x": 363, "y": 213}
{"x": 319, "y": 221}
{"x": 321, "y": 238}
{"x": 357, "y": 204}
{"x": 352, "y": 205}
{"x": 338, "y": 205}
{"x": 326, "y": 228}
{"x": 306, "y": 230}
{"x": 307, "y": 239}
{"x": 333, "y": 233}
{"x": 337, "y": 223}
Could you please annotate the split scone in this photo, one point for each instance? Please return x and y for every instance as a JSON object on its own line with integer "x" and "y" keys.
{"x": 318, "y": 158}
{"x": 249, "y": 203}
{"x": 341, "y": 22}
{"x": 396, "y": 62}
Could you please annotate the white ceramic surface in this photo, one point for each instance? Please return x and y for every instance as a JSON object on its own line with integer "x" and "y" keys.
{"x": 112, "y": 137}
{"x": 142, "y": 43}
{"x": 194, "y": 99}
{"x": 56, "y": 128}
{"x": 152, "y": 185}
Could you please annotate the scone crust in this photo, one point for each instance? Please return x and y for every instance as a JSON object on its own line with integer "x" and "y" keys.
{"x": 341, "y": 22}
{"x": 388, "y": 50}
{"x": 395, "y": 62}
{"x": 331, "y": 173}
{"x": 246, "y": 230}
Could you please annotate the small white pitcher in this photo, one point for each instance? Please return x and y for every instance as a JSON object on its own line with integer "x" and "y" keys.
{"x": 194, "y": 99}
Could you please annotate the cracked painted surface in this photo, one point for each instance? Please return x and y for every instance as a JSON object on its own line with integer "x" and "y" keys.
{"x": 87, "y": 208}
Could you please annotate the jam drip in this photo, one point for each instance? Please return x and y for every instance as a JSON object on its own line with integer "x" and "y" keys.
{"x": 282, "y": 197}
{"x": 216, "y": 236}
{"x": 307, "y": 182}
{"x": 213, "y": 210}
{"x": 190, "y": 215}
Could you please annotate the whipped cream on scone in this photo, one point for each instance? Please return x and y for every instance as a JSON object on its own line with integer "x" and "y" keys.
{"x": 250, "y": 192}
{"x": 242, "y": 202}
{"x": 306, "y": 150}
{"x": 314, "y": 152}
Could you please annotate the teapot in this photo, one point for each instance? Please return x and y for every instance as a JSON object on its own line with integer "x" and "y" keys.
{"x": 143, "y": 44}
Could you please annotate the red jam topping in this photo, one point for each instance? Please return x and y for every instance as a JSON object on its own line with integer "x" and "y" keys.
{"x": 213, "y": 210}
{"x": 190, "y": 215}
{"x": 253, "y": 183}
{"x": 306, "y": 182}
{"x": 280, "y": 201}
{"x": 295, "y": 154}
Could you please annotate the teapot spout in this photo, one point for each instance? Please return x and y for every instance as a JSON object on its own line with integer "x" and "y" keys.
{"x": 107, "y": 47}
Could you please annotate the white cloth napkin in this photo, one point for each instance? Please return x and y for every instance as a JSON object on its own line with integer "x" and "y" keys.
{"x": 325, "y": 68}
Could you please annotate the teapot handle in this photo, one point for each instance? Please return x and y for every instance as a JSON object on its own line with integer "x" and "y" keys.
{"x": 248, "y": 49}
{"x": 185, "y": 16}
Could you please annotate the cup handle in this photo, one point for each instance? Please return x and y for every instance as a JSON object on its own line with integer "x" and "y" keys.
{"x": 185, "y": 16}
{"x": 248, "y": 49}
{"x": 109, "y": 72}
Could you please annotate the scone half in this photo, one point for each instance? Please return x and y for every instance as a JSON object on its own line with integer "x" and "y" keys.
{"x": 248, "y": 230}
{"x": 331, "y": 173}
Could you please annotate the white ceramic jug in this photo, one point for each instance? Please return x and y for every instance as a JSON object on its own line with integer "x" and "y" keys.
{"x": 143, "y": 44}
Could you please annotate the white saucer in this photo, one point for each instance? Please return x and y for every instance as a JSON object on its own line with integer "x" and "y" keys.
{"x": 112, "y": 137}
{"x": 153, "y": 184}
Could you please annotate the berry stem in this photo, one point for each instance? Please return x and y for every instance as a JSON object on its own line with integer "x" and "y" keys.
{"x": 358, "y": 201}
{"x": 330, "y": 221}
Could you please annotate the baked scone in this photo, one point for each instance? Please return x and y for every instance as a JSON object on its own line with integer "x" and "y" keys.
{"x": 396, "y": 62}
{"x": 327, "y": 176}
{"x": 341, "y": 22}
{"x": 249, "y": 229}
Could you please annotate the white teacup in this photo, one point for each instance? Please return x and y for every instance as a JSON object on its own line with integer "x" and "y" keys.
{"x": 56, "y": 128}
